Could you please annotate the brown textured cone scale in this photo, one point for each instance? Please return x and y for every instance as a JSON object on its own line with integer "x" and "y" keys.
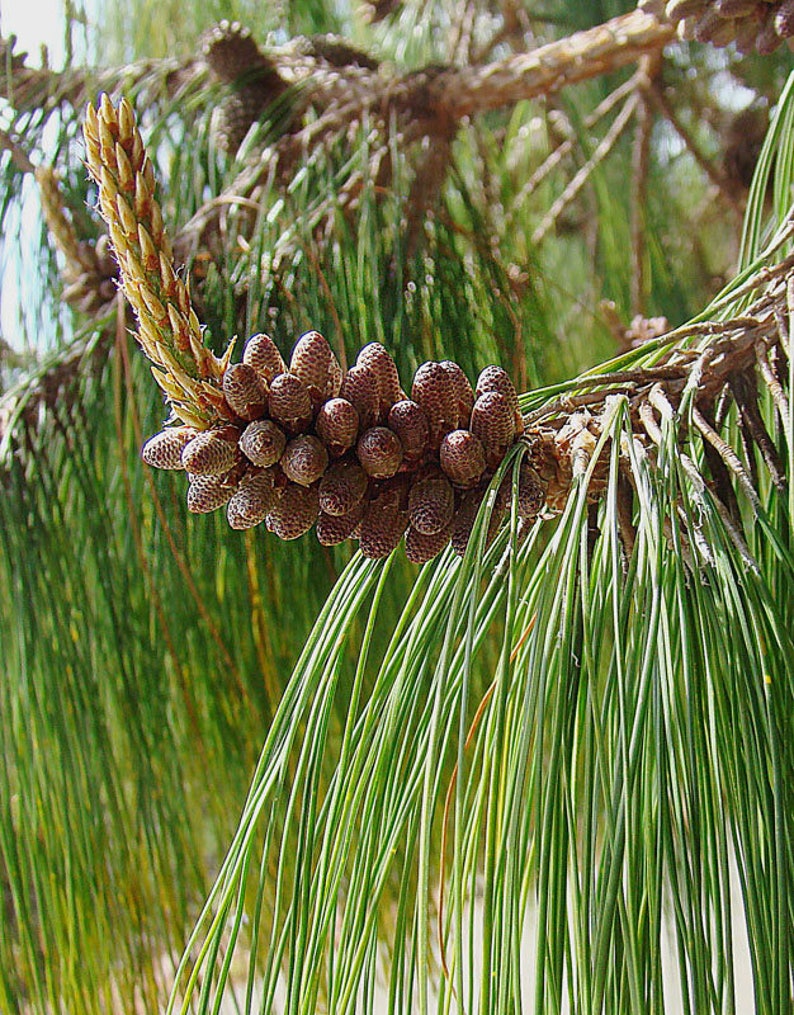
{"x": 164, "y": 450}
{"x": 409, "y": 421}
{"x": 337, "y": 425}
{"x": 335, "y": 529}
{"x": 376, "y": 358}
{"x": 208, "y": 493}
{"x": 531, "y": 492}
{"x": 494, "y": 378}
{"x": 304, "y": 460}
{"x": 420, "y": 548}
{"x": 212, "y": 452}
{"x": 252, "y": 500}
{"x": 360, "y": 387}
{"x": 342, "y": 488}
{"x": 314, "y": 362}
{"x": 462, "y": 457}
{"x": 432, "y": 388}
{"x": 380, "y": 452}
{"x": 382, "y": 526}
{"x": 294, "y": 512}
{"x": 263, "y": 442}
{"x": 431, "y": 505}
{"x": 261, "y": 353}
{"x": 493, "y": 421}
{"x": 464, "y": 393}
{"x": 289, "y": 402}
{"x": 245, "y": 391}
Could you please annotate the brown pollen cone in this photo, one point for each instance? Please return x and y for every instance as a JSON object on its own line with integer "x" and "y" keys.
{"x": 433, "y": 390}
{"x": 377, "y": 359}
{"x": 294, "y": 512}
{"x": 212, "y": 452}
{"x": 380, "y": 452}
{"x": 462, "y": 458}
{"x": 164, "y": 450}
{"x": 342, "y": 488}
{"x": 335, "y": 529}
{"x": 420, "y": 547}
{"x": 261, "y": 353}
{"x": 493, "y": 421}
{"x": 337, "y": 425}
{"x": 245, "y": 391}
{"x": 464, "y": 394}
{"x": 252, "y": 500}
{"x": 409, "y": 421}
{"x": 304, "y": 460}
{"x": 431, "y": 505}
{"x": 289, "y": 402}
{"x": 314, "y": 362}
{"x": 360, "y": 387}
{"x": 263, "y": 442}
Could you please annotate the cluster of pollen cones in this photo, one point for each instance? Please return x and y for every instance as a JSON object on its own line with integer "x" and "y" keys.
{"x": 350, "y": 453}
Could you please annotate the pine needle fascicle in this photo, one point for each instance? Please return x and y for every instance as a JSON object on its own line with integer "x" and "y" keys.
{"x": 168, "y": 328}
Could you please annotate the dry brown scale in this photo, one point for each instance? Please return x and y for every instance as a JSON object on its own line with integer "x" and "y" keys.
{"x": 753, "y": 25}
{"x": 306, "y": 444}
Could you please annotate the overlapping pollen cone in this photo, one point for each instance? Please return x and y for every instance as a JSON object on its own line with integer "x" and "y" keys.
{"x": 305, "y": 444}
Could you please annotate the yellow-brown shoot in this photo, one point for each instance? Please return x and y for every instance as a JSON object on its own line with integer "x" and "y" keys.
{"x": 168, "y": 329}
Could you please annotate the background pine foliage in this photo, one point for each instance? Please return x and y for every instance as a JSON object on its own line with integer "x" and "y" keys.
{"x": 628, "y": 755}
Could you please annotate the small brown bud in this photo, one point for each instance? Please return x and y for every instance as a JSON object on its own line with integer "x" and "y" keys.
{"x": 289, "y": 402}
{"x": 314, "y": 362}
{"x": 431, "y": 505}
{"x": 212, "y": 452}
{"x": 380, "y": 452}
{"x": 263, "y": 442}
{"x": 433, "y": 390}
{"x": 164, "y": 450}
{"x": 207, "y": 493}
{"x": 420, "y": 548}
{"x": 304, "y": 460}
{"x": 360, "y": 386}
{"x": 494, "y": 378}
{"x": 294, "y": 512}
{"x": 337, "y": 425}
{"x": 493, "y": 421}
{"x": 342, "y": 488}
{"x": 376, "y": 358}
{"x": 409, "y": 421}
{"x": 464, "y": 395}
{"x": 245, "y": 391}
{"x": 334, "y": 529}
{"x": 262, "y": 354}
{"x": 462, "y": 458}
{"x": 252, "y": 500}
